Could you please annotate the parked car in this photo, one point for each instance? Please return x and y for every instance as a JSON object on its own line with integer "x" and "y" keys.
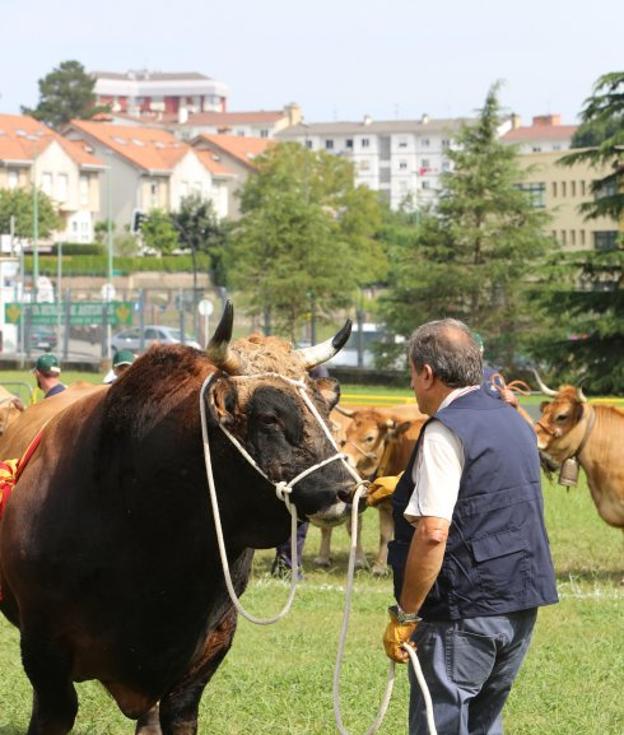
{"x": 372, "y": 334}
{"x": 43, "y": 338}
{"x": 130, "y": 339}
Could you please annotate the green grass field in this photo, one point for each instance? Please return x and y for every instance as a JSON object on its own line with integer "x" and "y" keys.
{"x": 277, "y": 680}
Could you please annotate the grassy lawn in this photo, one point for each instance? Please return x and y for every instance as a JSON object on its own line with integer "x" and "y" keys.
{"x": 277, "y": 680}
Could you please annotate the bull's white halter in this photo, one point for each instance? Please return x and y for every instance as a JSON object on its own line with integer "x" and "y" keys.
{"x": 283, "y": 490}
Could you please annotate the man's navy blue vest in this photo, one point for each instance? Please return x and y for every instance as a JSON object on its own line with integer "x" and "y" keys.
{"x": 497, "y": 557}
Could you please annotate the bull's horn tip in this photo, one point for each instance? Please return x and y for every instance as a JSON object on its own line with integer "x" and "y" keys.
{"x": 341, "y": 337}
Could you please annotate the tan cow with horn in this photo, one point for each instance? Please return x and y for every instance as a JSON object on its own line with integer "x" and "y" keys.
{"x": 573, "y": 432}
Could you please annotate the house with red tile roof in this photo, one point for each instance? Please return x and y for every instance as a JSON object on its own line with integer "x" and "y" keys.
{"x": 150, "y": 168}
{"x": 545, "y": 134}
{"x": 66, "y": 171}
{"x": 236, "y": 153}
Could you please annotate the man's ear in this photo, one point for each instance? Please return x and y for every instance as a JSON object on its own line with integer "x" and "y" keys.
{"x": 222, "y": 401}
{"x": 330, "y": 390}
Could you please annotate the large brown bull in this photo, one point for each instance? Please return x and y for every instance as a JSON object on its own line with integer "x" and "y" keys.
{"x": 572, "y": 429}
{"x": 377, "y": 441}
{"x": 108, "y": 557}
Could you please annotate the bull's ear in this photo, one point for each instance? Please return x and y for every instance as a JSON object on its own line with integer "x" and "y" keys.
{"x": 330, "y": 390}
{"x": 402, "y": 428}
{"x": 222, "y": 400}
{"x": 17, "y": 402}
{"x": 543, "y": 405}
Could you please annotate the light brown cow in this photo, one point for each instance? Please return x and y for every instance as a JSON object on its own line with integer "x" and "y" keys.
{"x": 571, "y": 428}
{"x": 377, "y": 441}
{"x": 10, "y": 408}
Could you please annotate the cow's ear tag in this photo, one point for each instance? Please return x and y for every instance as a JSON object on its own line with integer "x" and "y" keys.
{"x": 568, "y": 474}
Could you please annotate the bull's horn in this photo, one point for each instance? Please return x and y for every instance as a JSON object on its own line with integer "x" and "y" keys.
{"x": 218, "y": 349}
{"x": 544, "y": 388}
{"x": 324, "y": 351}
{"x": 580, "y": 396}
{"x": 345, "y": 411}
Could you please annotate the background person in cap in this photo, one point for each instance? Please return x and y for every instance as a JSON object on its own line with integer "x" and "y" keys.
{"x": 121, "y": 362}
{"x": 47, "y": 371}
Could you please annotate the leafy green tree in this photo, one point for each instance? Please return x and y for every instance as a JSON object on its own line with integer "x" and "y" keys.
{"x": 159, "y": 232}
{"x": 305, "y": 242}
{"x": 585, "y": 296}
{"x": 64, "y": 94}
{"x": 473, "y": 255}
{"x": 18, "y": 203}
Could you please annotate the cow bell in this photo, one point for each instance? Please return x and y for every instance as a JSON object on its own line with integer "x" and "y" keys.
{"x": 568, "y": 474}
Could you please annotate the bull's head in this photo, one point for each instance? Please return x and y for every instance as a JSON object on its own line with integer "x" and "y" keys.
{"x": 562, "y": 425}
{"x": 269, "y": 417}
{"x": 10, "y": 408}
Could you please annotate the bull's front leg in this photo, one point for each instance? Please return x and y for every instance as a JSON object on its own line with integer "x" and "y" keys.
{"x": 149, "y": 723}
{"x": 386, "y": 532}
{"x": 324, "y": 558}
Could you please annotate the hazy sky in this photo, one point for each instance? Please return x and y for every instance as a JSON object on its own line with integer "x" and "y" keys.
{"x": 340, "y": 59}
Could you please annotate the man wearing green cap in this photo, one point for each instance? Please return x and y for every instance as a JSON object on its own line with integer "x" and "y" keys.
{"x": 121, "y": 362}
{"x": 47, "y": 371}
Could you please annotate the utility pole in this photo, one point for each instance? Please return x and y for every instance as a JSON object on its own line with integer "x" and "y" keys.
{"x": 109, "y": 233}
{"x": 35, "y": 237}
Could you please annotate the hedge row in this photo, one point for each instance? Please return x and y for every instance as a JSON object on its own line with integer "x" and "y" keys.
{"x": 97, "y": 265}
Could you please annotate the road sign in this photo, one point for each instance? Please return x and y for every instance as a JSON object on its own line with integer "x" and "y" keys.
{"x": 80, "y": 313}
{"x": 205, "y": 307}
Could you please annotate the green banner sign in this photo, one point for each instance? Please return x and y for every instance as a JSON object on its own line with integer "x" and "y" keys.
{"x": 80, "y": 313}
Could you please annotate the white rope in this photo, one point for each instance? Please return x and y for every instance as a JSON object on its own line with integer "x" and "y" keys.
{"x": 282, "y": 491}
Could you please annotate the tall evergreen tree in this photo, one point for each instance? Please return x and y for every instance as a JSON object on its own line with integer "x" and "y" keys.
{"x": 473, "y": 255}
{"x": 64, "y": 94}
{"x": 305, "y": 241}
{"x": 586, "y": 293}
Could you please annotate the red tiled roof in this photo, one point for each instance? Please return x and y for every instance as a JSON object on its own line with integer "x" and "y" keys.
{"x": 152, "y": 149}
{"x": 540, "y": 132}
{"x": 211, "y": 162}
{"x": 23, "y": 138}
{"x": 241, "y": 147}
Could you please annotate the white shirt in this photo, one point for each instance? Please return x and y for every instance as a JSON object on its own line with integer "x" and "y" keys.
{"x": 438, "y": 468}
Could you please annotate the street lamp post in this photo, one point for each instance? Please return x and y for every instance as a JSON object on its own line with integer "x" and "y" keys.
{"x": 109, "y": 238}
{"x": 35, "y": 237}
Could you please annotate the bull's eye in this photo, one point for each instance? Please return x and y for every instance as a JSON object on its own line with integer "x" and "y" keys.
{"x": 369, "y": 439}
{"x": 562, "y": 417}
{"x": 268, "y": 419}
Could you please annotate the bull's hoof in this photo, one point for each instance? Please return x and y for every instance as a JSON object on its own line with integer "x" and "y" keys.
{"x": 379, "y": 571}
{"x": 361, "y": 564}
{"x": 319, "y": 561}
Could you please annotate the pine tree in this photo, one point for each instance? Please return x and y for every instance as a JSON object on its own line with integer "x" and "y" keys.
{"x": 473, "y": 255}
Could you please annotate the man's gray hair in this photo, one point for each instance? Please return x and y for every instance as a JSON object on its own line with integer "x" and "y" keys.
{"x": 450, "y": 350}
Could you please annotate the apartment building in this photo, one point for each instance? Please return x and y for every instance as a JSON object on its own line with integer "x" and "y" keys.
{"x": 560, "y": 190}
{"x": 69, "y": 174}
{"x": 150, "y": 95}
{"x": 401, "y": 159}
{"x": 545, "y": 134}
{"x": 149, "y": 169}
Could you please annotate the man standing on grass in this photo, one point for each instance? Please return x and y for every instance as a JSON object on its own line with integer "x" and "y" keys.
{"x": 470, "y": 558}
{"x": 47, "y": 373}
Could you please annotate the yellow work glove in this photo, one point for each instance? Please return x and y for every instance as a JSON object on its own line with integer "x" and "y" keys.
{"x": 382, "y": 488}
{"x": 396, "y": 634}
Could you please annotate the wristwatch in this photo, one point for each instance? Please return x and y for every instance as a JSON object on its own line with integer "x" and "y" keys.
{"x": 402, "y": 616}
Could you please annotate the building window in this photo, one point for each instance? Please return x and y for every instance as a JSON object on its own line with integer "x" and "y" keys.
{"x": 564, "y": 237}
{"x": 583, "y": 190}
{"x": 308, "y": 144}
{"x": 536, "y": 192}
{"x": 365, "y": 142}
{"x": 84, "y": 190}
{"x": 536, "y": 149}
{"x": 402, "y": 143}
{"x": 264, "y": 133}
{"x": 556, "y": 147}
{"x": 384, "y": 175}
{"x": 582, "y": 236}
{"x": 425, "y": 142}
{"x": 46, "y": 183}
{"x": 564, "y": 188}
{"x": 426, "y": 185}
{"x": 240, "y": 132}
{"x": 403, "y": 165}
{"x": 446, "y": 143}
{"x": 424, "y": 163}
{"x": 554, "y": 188}
{"x": 609, "y": 189}
{"x": 446, "y": 165}
{"x": 329, "y": 145}
{"x": 349, "y": 143}
{"x": 606, "y": 239}
{"x": 573, "y": 188}
{"x": 13, "y": 178}
{"x": 572, "y": 237}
